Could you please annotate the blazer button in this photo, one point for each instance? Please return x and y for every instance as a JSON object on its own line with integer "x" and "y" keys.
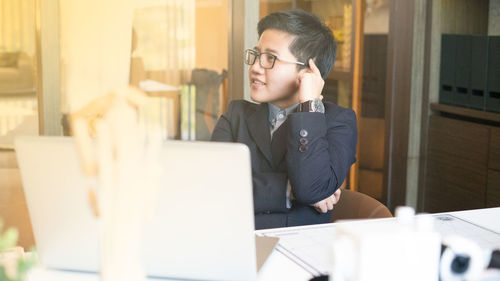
{"x": 304, "y": 141}
{"x": 303, "y": 133}
{"x": 302, "y": 148}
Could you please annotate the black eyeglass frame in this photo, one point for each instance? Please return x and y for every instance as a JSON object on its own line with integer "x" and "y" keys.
{"x": 259, "y": 55}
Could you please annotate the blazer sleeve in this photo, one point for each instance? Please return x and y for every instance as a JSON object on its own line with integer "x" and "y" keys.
{"x": 269, "y": 188}
{"x": 223, "y": 131}
{"x": 318, "y": 168}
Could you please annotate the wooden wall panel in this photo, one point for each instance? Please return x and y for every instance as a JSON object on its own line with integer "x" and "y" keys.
{"x": 494, "y": 162}
{"x": 464, "y": 16}
{"x": 457, "y": 154}
{"x": 493, "y": 189}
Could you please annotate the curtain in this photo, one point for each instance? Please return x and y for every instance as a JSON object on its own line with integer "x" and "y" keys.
{"x": 165, "y": 40}
{"x": 17, "y": 22}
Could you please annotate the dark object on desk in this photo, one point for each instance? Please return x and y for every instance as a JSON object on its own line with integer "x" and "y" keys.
{"x": 460, "y": 264}
{"x": 356, "y": 205}
{"x": 320, "y": 278}
{"x": 495, "y": 259}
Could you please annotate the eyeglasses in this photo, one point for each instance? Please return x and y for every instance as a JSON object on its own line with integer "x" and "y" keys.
{"x": 266, "y": 60}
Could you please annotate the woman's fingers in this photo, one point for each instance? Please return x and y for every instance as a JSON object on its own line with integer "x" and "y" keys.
{"x": 313, "y": 67}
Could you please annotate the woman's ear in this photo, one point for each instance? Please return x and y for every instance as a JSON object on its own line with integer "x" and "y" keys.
{"x": 302, "y": 70}
{"x": 307, "y": 65}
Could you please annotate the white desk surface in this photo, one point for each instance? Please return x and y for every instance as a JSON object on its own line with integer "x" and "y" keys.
{"x": 278, "y": 266}
{"x": 487, "y": 218}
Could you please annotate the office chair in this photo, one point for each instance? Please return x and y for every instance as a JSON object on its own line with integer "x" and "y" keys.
{"x": 356, "y": 205}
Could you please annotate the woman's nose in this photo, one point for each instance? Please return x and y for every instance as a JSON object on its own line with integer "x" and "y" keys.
{"x": 256, "y": 67}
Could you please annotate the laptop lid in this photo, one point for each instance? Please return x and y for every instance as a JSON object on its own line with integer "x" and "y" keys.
{"x": 203, "y": 224}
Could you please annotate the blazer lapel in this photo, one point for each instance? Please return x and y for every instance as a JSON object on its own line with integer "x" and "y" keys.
{"x": 278, "y": 143}
{"x": 258, "y": 125}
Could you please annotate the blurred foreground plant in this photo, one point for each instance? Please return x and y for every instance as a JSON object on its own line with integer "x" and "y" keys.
{"x": 13, "y": 264}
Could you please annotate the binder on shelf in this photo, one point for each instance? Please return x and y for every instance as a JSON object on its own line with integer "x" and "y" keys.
{"x": 462, "y": 70}
{"x": 479, "y": 72}
{"x": 493, "y": 91}
{"x": 447, "y": 71}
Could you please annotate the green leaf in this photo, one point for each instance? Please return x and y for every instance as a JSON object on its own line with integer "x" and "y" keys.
{"x": 3, "y": 275}
{"x": 23, "y": 267}
{"x": 9, "y": 239}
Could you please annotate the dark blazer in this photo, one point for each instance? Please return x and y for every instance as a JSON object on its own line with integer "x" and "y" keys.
{"x": 312, "y": 150}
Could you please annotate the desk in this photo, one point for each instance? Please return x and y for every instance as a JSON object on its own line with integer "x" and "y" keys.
{"x": 280, "y": 267}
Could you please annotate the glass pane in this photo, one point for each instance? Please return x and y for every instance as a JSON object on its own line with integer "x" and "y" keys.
{"x": 371, "y": 123}
{"x": 336, "y": 14}
{"x": 339, "y": 16}
{"x": 180, "y": 58}
{"x": 18, "y": 60}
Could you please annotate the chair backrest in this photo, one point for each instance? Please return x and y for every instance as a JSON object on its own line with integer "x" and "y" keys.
{"x": 356, "y": 205}
{"x": 208, "y": 100}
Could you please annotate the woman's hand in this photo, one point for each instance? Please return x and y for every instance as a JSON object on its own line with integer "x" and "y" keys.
{"x": 310, "y": 83}
{"x": 327, "y": 204}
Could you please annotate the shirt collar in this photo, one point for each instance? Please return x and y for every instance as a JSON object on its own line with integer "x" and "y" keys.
{"x": 278, "y": 114}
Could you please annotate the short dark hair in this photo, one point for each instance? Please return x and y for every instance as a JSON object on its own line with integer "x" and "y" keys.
{"x": 313, "y": 39}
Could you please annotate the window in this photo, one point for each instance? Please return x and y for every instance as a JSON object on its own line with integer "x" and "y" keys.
{"x": 18, "y": 71}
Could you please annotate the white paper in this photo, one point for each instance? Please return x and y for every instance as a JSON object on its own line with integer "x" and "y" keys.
{"x": 309, "y": 246}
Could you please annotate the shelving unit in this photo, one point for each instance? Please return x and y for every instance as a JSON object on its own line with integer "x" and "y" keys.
{"x": 460, "y": 146}
{"x": 463, "y": 159}
{"x": 466, "y": 112}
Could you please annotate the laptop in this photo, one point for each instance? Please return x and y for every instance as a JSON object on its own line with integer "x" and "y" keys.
{"x": 202, "y": 227}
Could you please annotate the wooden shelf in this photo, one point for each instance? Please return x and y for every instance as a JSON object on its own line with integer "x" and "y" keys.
{"x": 466, "y": 112}
{"x": 340, "y": 74}
{"x": 27, "y": 92}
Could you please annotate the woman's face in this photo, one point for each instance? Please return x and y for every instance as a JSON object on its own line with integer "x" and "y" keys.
{"x": 278, "y": 85}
